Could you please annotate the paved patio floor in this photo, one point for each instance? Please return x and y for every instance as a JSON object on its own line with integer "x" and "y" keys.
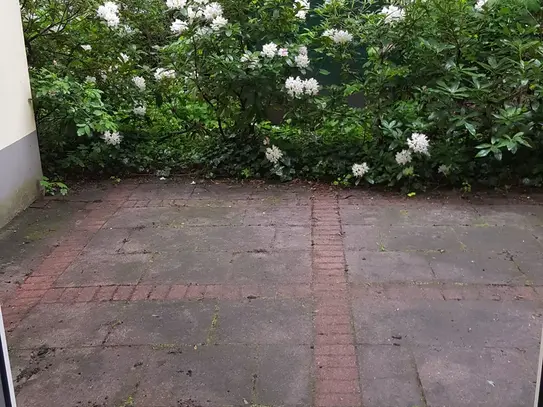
{"x": 216, "y": 294}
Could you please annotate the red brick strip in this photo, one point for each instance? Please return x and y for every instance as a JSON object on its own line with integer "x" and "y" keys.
{"x": 38, "y": 287}
{"x": 337, "y": 375}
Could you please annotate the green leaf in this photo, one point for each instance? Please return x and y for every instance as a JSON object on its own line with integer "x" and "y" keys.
{"x": 324, "y": 72}
{"x": 470, "y": 128}
{"x": 482, "y": 153}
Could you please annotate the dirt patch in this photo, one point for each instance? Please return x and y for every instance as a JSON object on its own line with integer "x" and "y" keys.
{"x": 35, "y": 365}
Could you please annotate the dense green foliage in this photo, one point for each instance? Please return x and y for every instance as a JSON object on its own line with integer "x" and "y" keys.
{"x": 414, "y": 94}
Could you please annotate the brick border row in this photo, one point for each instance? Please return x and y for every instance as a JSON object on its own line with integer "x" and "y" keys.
{"x": 41, "y": 281}
{"x": 337, "y": 382}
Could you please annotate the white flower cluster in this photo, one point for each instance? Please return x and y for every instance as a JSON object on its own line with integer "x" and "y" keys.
{"x": 301, "y": 60}
{"x": 113, "y": 139}
{"x": 162, "y": 73}
{"x": 403, "y": 157}
{"x": 201, "y": 9}
{"x": 179, "y": 26}
{"x": 479, "y": 5}
{"x": 176, "y": 4}
{"x": 139, "y": 82}
{"x": 273, "y": 154}
{"x": 109, "y": 12}
{"x": 140, "y": 110}
{"x": 212, "y": 11}
{"x": 359, "y": 170}
{"x": 86, "y": 47}
{"x": 269, "y": 50}
{"x": 124, "y": 58}
{"x": 338, "y": 36}
{"x": 282, "y": 52}
{"x": 218, "y": 23}
{"x": 90, "y": 79}
{"x": 303, "y": 7}
{"x": 297, "y": 87}
{"x": 393, "y": 14}
{"x": 418, "y": 143}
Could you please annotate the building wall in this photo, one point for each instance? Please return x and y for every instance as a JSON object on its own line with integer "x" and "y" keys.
{"x": 20, "y": 166}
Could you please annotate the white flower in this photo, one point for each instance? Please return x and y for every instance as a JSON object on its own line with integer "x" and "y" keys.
{"x": 86, "y": 47}
{"x": 443, "y": 169}
{"x": 140, "y": 110}
{"x": 282, "y": 52}
{"x": 113, "y": 139}
{"x": 178, "y": 26}
{"x": 302, "y": 50}
{"x": 418, "y": 142}
{"x": 295, "y": 87}
{"x": 359, "y": 170}
{"x": 273, "y": 154}
{"x": 342, "y": 37}
{"x": 403, "y": 157}
{"x": 103, "y": 75}
{"x": 329, "y": 33}
{"x": 251, "y": 59}
{"x": 175, "y": 4}
{"x": 125, "y": 58}
{"x": 109, "y": 12}
{"x": 479, "y": 5}
{"x": 201, "y": 2}
{"x": 393, "y": 13}
{"x": 90, "y": 79}
{"x": 218, "y": 23}
{"x": 269, "y": 50}
{"x": 193, "y": 14}
{"x": 162, "y": 73}
{"x": 301, "y": 60}
{"x": 303, "y": 7}
{"x": 212, "y": 11}
{"x": 139, "y": 82}
{"x": 338, "y": 36}
{"x": 311, "y": 86}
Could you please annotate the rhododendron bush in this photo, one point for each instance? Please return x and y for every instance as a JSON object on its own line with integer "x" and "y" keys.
{"x": 411, "y": 93}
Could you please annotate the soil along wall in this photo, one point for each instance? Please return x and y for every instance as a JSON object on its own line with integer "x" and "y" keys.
{"x": 19, "y": 154}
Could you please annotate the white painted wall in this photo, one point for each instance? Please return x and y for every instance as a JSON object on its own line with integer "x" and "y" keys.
{"x": 16, "y": 115}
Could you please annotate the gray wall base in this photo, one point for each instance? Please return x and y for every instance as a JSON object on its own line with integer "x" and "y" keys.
{"x": 20, "y": 175}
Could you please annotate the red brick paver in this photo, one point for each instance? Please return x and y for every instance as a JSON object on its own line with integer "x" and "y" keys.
{"x": 337, "y": 376}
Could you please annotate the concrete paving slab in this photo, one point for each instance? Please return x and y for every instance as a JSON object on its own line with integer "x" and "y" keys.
{"x": 265, "y": 322}
{"x": 387, "y": 267}
{"x": 97, "y": 377}
{"x": 389, "y": 377}
{"x": 163, "y": 324}
{"x": 105, "y": 269}
{"x": 209, "y": 375}
{"x": 61, "y": 325}
{"x": 447, "y": 323}
{"x": 456, "y": 377}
